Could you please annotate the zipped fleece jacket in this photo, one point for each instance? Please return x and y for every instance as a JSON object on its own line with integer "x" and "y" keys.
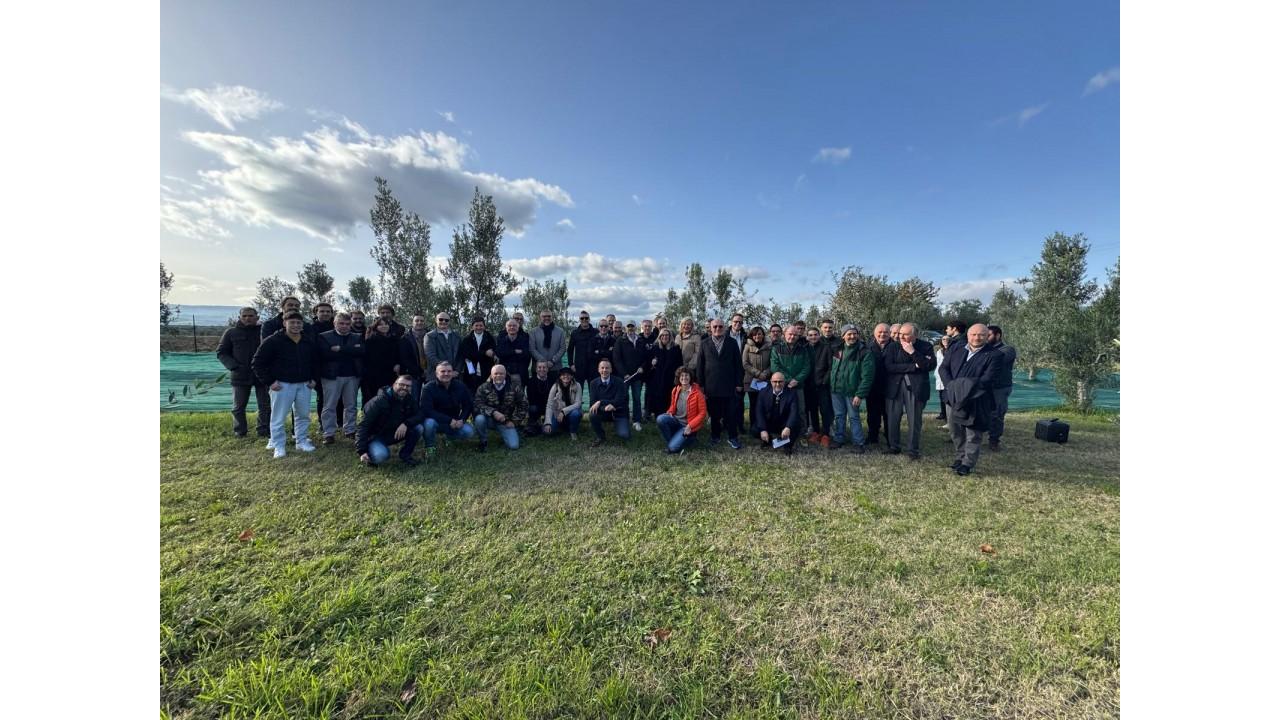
{"x": 794, "y": 361}
{"x": 853, "y": 371}
{"x": 280, "y": 358}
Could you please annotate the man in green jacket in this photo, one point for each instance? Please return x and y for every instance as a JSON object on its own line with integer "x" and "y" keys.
{"x": 793, "y": 359}
{"x": 853, "y": 369}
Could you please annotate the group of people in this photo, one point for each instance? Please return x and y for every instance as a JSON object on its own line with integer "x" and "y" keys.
{"x": 801, "y": 385}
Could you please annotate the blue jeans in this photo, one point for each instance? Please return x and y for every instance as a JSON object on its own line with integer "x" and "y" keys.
{"x": 843, "y": 406}
{"x": 620, "y": 426}
{"x": 510, "y": 435}
{"x": 673, "y": 433}
{"x": 431, "y": 427}
{"x": 295, "y": 397}
{"x": 637, "y": 409}
{"x": 573, "y": 419}
{"x": 380, "y": 453}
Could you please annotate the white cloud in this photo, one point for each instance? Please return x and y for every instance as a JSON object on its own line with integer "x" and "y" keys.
{"x": 194, "y": 219}
{"x": 1026, "y": 114}
{"x": 565, "y": 224}
{"x": 447, "y": 115}
{"x": 966, "y": 289}
{"x": 227, "y": 105}
{"x": 752, "y": 272}
{"x": 1101, "y": 80}
{"x": 628, "y": 302}
{"x": 322, "y": 182}
{"x": 594, "y": 269}
{"x": 832, "y": 155}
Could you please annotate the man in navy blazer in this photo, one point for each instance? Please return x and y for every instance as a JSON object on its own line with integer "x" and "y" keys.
{"x": 969, "y": 373}
{"x": 778, "y": 414}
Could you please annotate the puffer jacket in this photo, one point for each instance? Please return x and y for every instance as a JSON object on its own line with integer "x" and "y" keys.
{"x": 755, "y": 363}
{"x": 853, "y": 371}
{"x": 556, "y": 401}
{"x": 236, "y": 350}
{"x": 695, "y": 407}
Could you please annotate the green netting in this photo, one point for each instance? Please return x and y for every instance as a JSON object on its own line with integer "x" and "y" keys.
{"x": 178, "y": 369}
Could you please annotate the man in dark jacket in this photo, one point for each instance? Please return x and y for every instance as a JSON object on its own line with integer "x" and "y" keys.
{"x": 778, "y": 415}
{"x": 442, "y": 344}
{"x": 446, "y": 405}
{"x": 501, "y": 405}
{"x": 392, "y": 416}
{"x": 719, "y": 373}
{"x": 477, "y": 354}
{"x": 628, "y": 357}
{"x": 969, "y": 374}
{"x": 608, "y": 402}
{"x": 413, "y": 353}
{"x": 512, "y": 348}
{"x": 285, "y": 362}
{"x": 537, "y": 390}
{"x": 341, "y": 365}
{"x": 876, "y": 415}
{"x": 602, "y": 345}
{"x": 1002, "y": 387}
{"x": 907, "y": 364}
{"x": 580, "y": 341}
{"x": 235, "y": 352}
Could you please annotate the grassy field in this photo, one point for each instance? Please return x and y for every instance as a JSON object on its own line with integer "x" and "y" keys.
{"x": 620, "y": 582}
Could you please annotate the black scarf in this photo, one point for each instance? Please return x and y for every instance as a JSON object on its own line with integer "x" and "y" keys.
{"x": 546, "y": 335}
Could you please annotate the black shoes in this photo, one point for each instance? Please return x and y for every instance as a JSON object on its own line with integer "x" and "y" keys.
{"x": 914, "y": 456}
{"x": 963, "y": 470}
{"x": 891, "y": 451}
{"x": 597, "y": 442}
{"x": 482, "y": 447}
{"x": 410, "y": 462}
{"x": 858, "y": 449}
{"x": 994, "y": 446}
{"x": 956, "y": 465}
{"x": 327, "y": 440}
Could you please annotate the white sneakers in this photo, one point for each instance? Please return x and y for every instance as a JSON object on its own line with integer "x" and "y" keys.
{"x": 637, "y": 427}
{"x": 278, "y": 454}
{"x": 306, "y": 446}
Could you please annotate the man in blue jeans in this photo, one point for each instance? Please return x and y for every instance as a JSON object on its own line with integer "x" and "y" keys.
{"x": 389, "y": 418}
{"x": 446, "y": 405}
{"x": 608, "y": 396}
{"x": 284, "y": 362}
{"x": 500, "y": 405}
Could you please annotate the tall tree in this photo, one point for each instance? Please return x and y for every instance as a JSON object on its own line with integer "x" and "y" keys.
{"x": 402, "y": 250}
{"x": 693, "y": 300}
{"x": 867, "y": 299}
{"x": 167, "y": 311}
{"x": 552, "y": 295}
{"x": 1061, "y": 327}
{"x": 315, "y": 285}
{"x": 359, "y": 294}
{"x": 476, "y": 277}
{"x": 271, "y": 292}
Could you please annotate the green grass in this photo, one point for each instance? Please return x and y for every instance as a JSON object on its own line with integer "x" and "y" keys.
{"x": 525, "y": 585}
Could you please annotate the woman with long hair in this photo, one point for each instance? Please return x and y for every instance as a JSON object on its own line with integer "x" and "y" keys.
{"x": 755, "y": 369}
{"x": 663, "y": 359}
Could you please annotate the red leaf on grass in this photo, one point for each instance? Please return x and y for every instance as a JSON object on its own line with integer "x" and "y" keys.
{"x": 659, "y": 635}
{"x": 987, "y": 549}
{"x": 246, "y": 535}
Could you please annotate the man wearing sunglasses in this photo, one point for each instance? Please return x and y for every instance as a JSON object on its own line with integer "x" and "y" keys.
{"x": 442, "y": 344}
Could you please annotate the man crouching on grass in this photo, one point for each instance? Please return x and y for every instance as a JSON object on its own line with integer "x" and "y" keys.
{"x": 390, "y": 417}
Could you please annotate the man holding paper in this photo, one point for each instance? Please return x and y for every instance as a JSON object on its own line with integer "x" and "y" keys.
{"x": 628, "y": 362}
{"x": 778, "y": 416}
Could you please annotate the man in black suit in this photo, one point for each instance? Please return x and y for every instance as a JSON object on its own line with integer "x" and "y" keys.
{"x": 875, "y": 399}
{"x": 907, "y": 364}
{"x": 477, "y": 354}
{"x": 580, "y": 340}
{"x": 778, "y": 414}
{"x": 719, "y": 372}
{"x": 969, "y": 374}
{"x": 608, "y": 402}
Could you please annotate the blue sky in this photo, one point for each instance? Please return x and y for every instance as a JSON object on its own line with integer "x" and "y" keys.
{"x": 621, "y": 142}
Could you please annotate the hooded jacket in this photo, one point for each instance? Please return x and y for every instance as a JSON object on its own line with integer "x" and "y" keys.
{"x": 853, "y": 371}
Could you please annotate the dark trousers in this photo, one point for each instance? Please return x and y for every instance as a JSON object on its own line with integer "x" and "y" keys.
{"x": 811, "y": 418}
{"x": 774, "y": 426}
{"x": 906, "y": 403}
{"x": 877, "y": 418}
{"x": 967, "y": 441}
{"x": 240, "y": 401}
{"x": 719, "y": 408}
{"x": 753, "y": 397}
{"x": 942, "y": 409}
{"x": 825, "y": 410}
{"x": 735, "y": 413}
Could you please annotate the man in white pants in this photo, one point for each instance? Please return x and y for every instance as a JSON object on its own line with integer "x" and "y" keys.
{"x": 284, "y": 363}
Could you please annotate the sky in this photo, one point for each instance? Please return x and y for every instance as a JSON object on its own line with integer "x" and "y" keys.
{"x": 622, "y": 142}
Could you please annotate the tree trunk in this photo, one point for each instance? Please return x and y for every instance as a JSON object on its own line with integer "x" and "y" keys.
{"x": 1031, "y": 373}
{"x": 1084, "y": 398}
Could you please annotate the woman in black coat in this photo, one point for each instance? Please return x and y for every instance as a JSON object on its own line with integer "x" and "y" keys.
{"x": 661, "y": 363}
{"x": 381, "y": 357}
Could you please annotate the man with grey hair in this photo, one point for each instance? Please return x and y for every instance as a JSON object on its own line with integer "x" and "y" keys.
{"x": 969, "y": 374}
{"x": 876, "y": 416}
{"x": 907, "y": 364}
{"x": 547, "y": 342}
{"x": 341, "y": 366}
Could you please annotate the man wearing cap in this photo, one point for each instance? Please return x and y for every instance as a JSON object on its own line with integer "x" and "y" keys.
{"x": 628, "y": 357}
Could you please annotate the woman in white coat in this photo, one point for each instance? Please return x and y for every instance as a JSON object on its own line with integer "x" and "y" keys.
{"x": 940, "y": 349}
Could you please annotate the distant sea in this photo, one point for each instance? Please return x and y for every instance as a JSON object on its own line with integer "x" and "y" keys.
{"x": 206, "y": 314}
